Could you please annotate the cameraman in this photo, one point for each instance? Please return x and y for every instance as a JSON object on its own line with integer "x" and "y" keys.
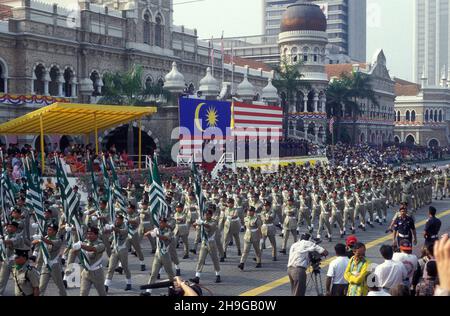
{"x": 299, "y": 261}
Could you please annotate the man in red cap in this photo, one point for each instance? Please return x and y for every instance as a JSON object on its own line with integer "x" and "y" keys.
{"x": 350, "y": 242}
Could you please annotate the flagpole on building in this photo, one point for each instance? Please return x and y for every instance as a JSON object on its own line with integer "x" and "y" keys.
{"x": 223, "y": 60}
{"x": 212, "y": 56}
{"x": 232, "y": 70}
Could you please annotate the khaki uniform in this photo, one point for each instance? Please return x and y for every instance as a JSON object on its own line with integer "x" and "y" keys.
{"x": 26, "y": 278}
{"x": 324, "y": 219}
{"x": 231, "y": 229}
{"x": 182, "y": 230}
{"x": 162, "y": 259}
{"x": 268, "y": 229}
{"x": 145, "y": 225}
{"x": 349, "y": 211}
{"x": 440, "y": 180}
{"x": 360, "y": 209}
{"x": 209, "y": 246}
{"x": 217, "y": 216}
{"x": 315, "y": 207}
{"x": 304, "y": 210}
{"x": 6, "y": 267}
{"x": 93, "y": 273}
{"x": 135, "y": 239}
{"x": 336, "y": 213}
{"x": 277, "y": 205}
{"x": 289, "y": 224}
{"x": 252, "y": 237}
{"x": 119, "y": 252}
{"x": 54, "y": 262}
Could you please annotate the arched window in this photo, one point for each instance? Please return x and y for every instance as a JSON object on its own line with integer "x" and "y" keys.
{"x": 305, "y": 54}
{"x": 294, "y": 54}
{"x": 440, "y": 115}
{"x": 148, "y": 82}
{"x": 161, "y": 82}
{"x": 3, "y": 78}
{"x": 413, "y": 116}
{"x": 316, "y": 55}
{"x": 435, "y": 115}
{"x": 54, "y": 76}
{"x": 426, "y": 116}
{"x": 67, "y": 87}
{"x": 96, "y": 88}
{"x": 398, "y": 116}
{"x": 408, "y": 116}
{"x": 147, "y": 28}
{"x": 158, "y": 32}
{"x": 39, "y": 73}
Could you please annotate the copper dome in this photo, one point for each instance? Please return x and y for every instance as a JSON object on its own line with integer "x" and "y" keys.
{"x": 303, "y": 17}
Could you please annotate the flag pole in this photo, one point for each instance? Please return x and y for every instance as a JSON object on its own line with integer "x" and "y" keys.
{"x": 223, "y": 60}
{"x": 232, "y": 70}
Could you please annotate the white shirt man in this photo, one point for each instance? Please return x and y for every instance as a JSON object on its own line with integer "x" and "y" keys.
{"x": 299, "y": 262}
{"x": 378, "y": 293}
{"x": 410, "y": 262}
{"x": 389, "y": 274}
{"x": 335, "y": 275}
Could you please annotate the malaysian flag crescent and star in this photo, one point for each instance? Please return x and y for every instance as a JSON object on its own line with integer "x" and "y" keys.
{"x": 229, "y": 120}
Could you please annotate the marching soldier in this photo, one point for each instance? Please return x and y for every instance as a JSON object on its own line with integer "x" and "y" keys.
{"x": 133, "y": 221}
{"x": 336, "y": 213}
{"x": 360, "y": 209}
{"x": 368, "y": 203}
{"x": 440, "y": 180}
{"x": 268, "y": 230}
{"x": 164, "y": 236}
{"x": 119, "y": 251}
{"x": 252, "y": 237}
{"x": 92, "y": 274}
{"x": 26, "y": 277}
{"x": 315, "y": 205}
{"x": 217, "y": 216}
{"x": 181, "y": 228}
{"x": 277, "y": 205}
{"x": 290, "y": 223}
{"x": 304, "y": 210}
{"x": 12, "y": 241}
{"x": 54, "y": 244}
{"x": 232, "y": 227}
{"x": 208, "y": 246}
{"x": 324, "y": 219}
{"x": 349, "y": 210}
{"x": 146, "y": 224}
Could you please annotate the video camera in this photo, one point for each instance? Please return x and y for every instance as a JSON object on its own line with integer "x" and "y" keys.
{"x": 315, "y": 258}
{"x": 172, "y": 291}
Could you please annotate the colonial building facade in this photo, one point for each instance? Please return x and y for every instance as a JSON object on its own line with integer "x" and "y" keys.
{"x": 53, "y": 51}
{"x": 422, "y": 113}
{"x": 375, "y": 124}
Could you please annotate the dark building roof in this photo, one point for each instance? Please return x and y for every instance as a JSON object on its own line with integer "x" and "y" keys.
{"x": 303, "y": 17}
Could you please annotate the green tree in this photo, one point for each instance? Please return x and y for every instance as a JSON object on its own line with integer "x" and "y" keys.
{"x": 128, "y": 89}
{"x": 288, "y": 82}
{"x": 339, "y": 98}
{"x": 361, "y": 89}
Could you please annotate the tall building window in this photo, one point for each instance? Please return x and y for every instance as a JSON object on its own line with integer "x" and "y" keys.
{"x": 426, "y": 116}
{"x": 147, "y": 27}
{"x": 159, "y": 32}
{"x": 413, "y": 116}
{"x": 408, "y": 116}
{"x": 440, "y": 115}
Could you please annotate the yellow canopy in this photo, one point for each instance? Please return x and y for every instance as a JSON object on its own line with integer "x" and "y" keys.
{"x": 74, "y": 119}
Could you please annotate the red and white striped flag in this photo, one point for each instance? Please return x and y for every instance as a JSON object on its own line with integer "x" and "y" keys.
{"x": 331, "y": 125}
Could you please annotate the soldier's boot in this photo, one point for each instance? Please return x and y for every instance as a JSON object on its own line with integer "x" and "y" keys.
{"x": 178, "y": 272}
{"x": 128, "y": 287}
{"x": 283, "y": 251}
{"x": 241, "y": 266}
{"x": 218, "y": 280}
{"x": 258, "y": 265}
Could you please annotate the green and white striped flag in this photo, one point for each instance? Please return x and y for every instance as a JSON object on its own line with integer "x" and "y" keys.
{"x": 70, "y": 204}
{"x": 35, "y": 201}
{"x": 157, "y": 200}
{"x": 95, "y": 196}
{"x": 200, "y": 197}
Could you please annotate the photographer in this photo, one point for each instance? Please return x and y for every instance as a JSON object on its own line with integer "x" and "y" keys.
{"x": 184, "y": 287}
{"x": 299, "y": 261}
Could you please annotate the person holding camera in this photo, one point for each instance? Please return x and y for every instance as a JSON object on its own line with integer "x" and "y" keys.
{"x": 299, "y": 261}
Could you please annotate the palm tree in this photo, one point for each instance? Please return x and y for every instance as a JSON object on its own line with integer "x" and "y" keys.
{"x": 339, "y": 97}
{"x": 361, "y": 88}
{"x": 288, "y": 80}
{"x": 128, "y": 88}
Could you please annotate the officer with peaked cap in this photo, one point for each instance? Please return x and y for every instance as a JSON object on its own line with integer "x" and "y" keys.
{"x": 26, "y": 277}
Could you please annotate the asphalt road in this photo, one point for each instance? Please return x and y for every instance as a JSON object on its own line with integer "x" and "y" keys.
{"x": 270, "y": 280}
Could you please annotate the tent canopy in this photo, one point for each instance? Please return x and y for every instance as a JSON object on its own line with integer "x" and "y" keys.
{"x": 74, "y": 119}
